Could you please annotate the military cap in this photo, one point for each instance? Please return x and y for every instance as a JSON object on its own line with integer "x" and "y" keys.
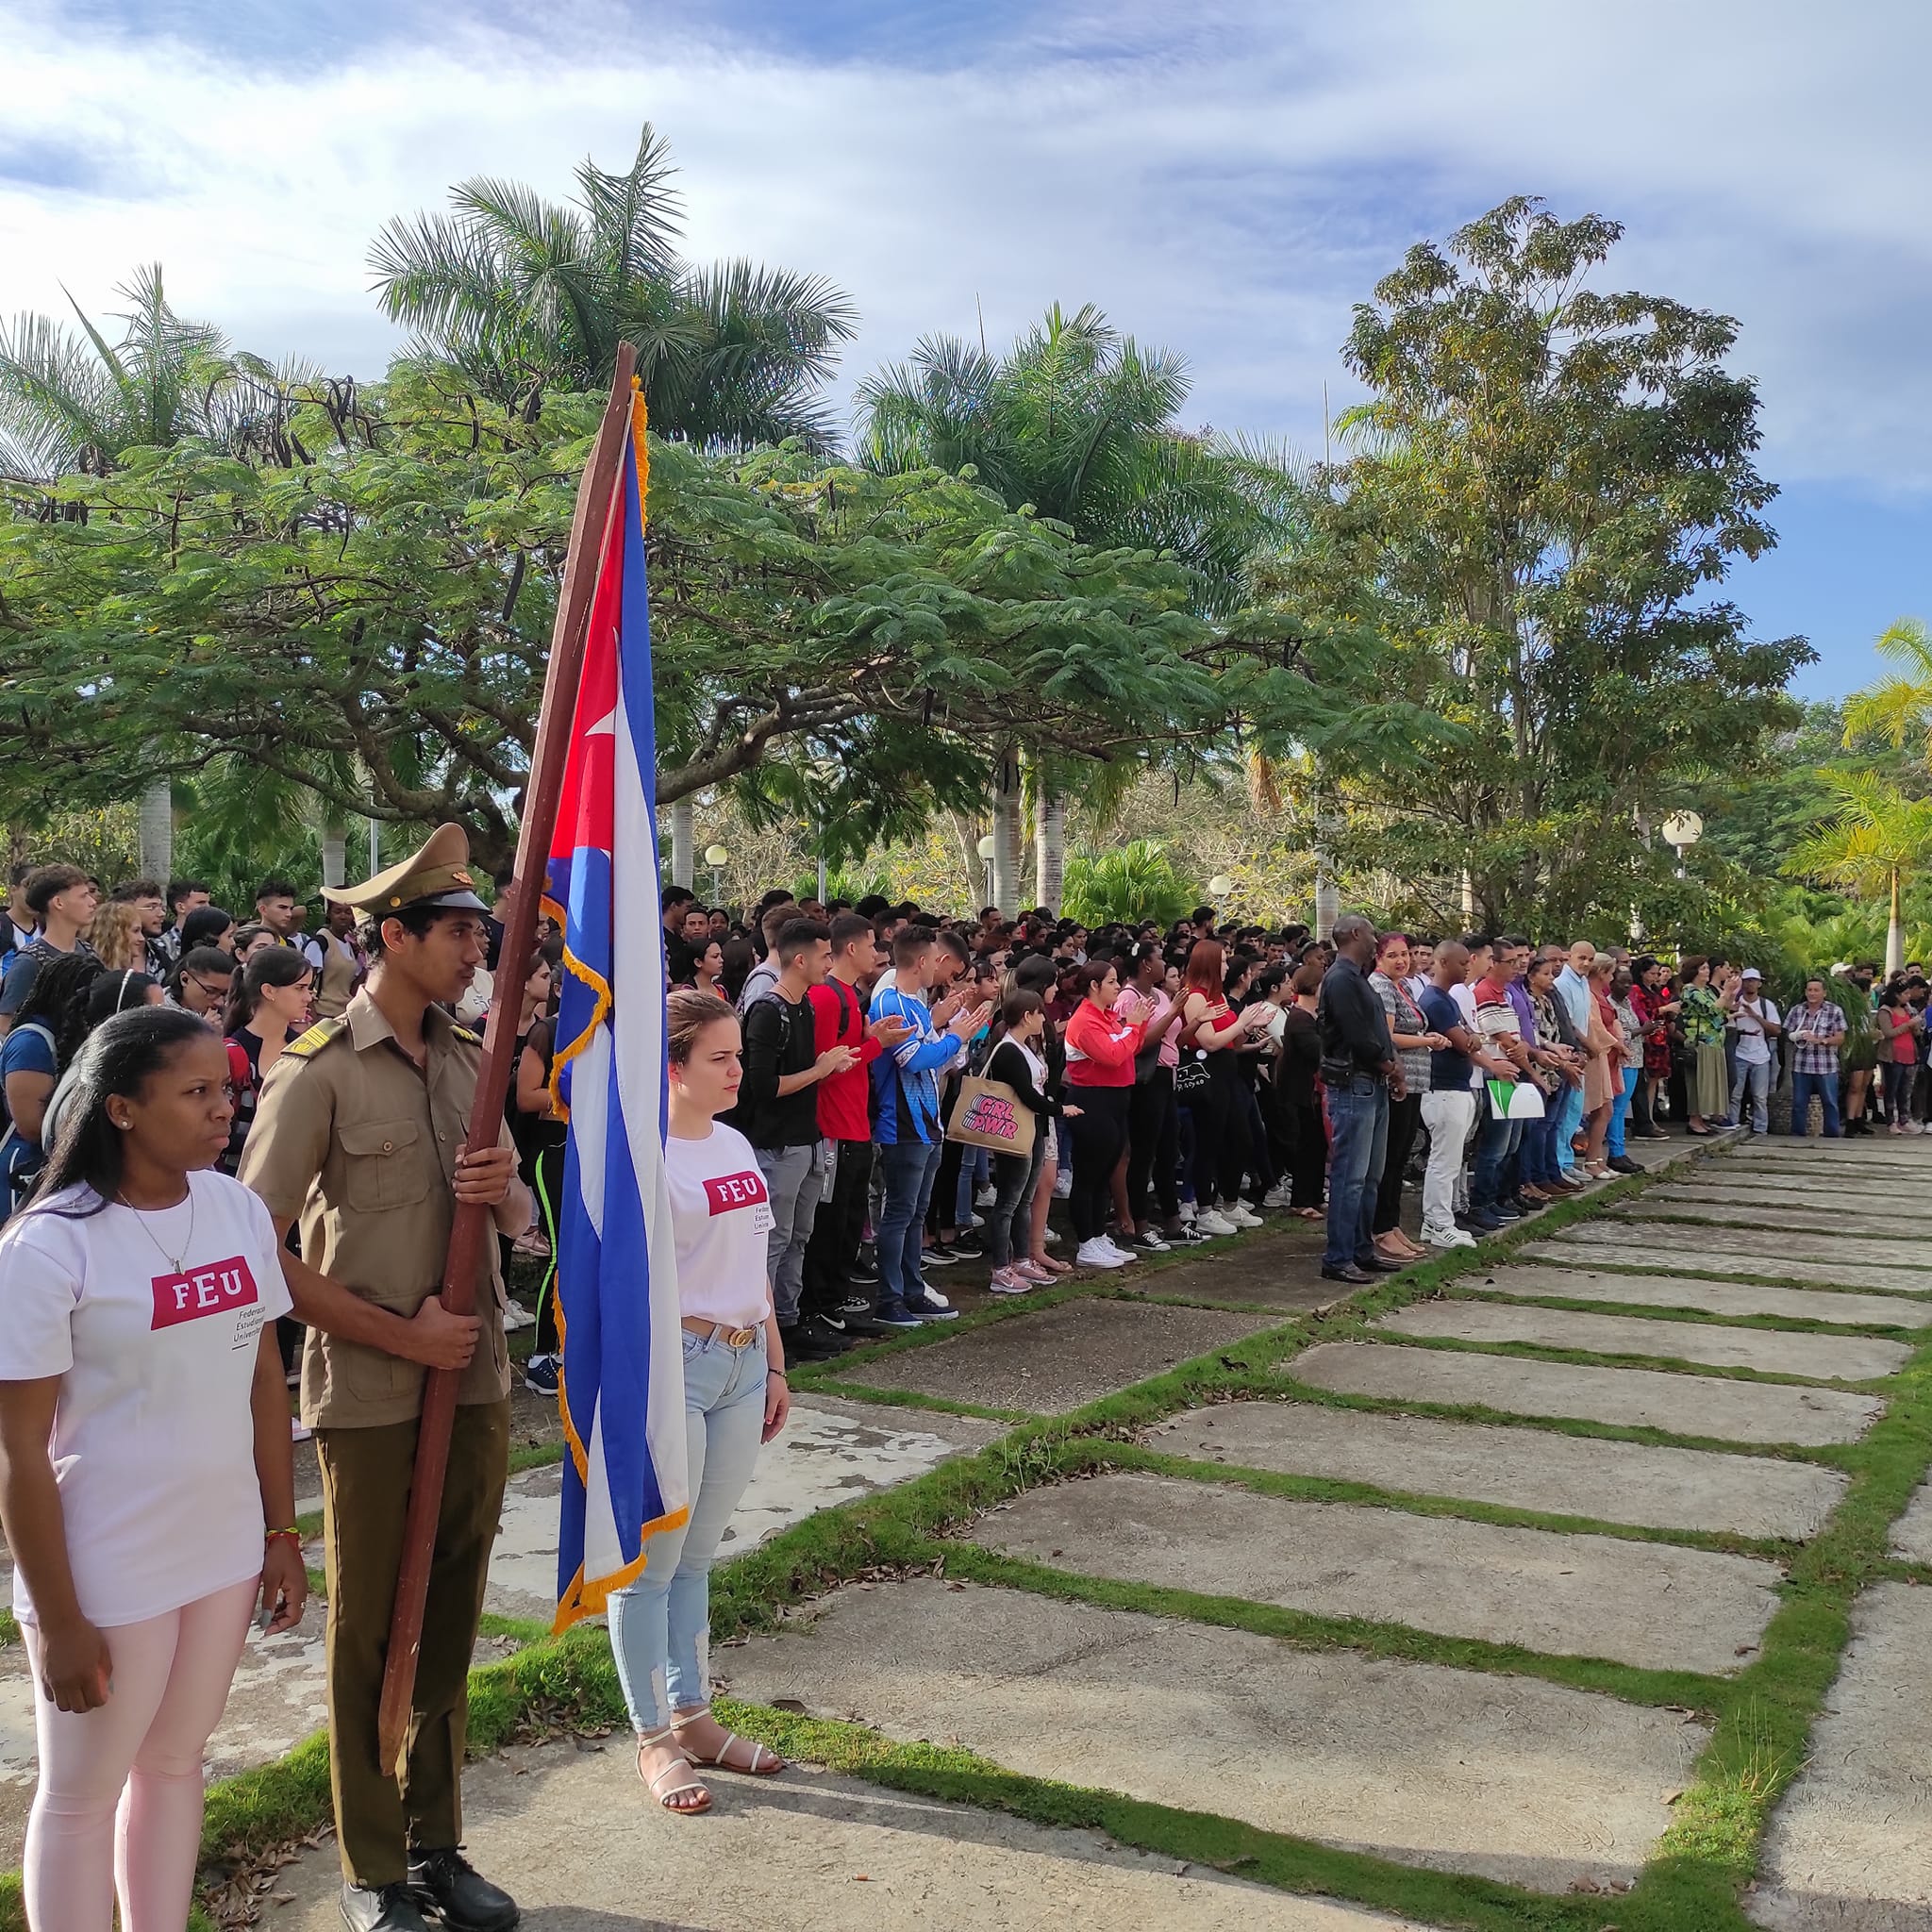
{"x": 437, "y": 875}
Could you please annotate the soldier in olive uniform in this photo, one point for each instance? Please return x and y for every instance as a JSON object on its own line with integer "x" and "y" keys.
{"x": 359, "y": 1134}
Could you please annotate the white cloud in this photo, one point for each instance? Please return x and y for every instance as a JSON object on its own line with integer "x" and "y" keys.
{"x": 1229, "y": 192}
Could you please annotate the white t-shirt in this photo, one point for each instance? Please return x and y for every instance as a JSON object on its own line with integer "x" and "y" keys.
{"x": 1754, "y": 1045}
{"x": 154, "y": 1440}
{"x": 721, "y": 1212}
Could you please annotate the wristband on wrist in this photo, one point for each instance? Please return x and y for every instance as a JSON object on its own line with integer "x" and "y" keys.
{"x": 779, "y": 1373}
{"x": 294, "y": 1535}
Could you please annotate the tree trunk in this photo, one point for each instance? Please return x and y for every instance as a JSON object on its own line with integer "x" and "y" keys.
{"x": 1894, "y": 932}
{"x": 1050, "y": 850}
{"x": 1005, "y": 835}
{"x": 157, "y": 831}
{"x": 683, "y": 842}
{"x": 1327, "y": 894}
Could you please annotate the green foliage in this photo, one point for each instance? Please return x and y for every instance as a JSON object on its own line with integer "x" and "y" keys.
{"x": 367, "y": 628}
{"x": 1547, "y": 488}
{"x": 523, "y": 295}
{"x": 1135, "y": 882}
{"x": 77, "y": 401}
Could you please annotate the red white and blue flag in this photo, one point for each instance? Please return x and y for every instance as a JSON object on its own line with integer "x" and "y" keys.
{"x": 617, "y": 1307}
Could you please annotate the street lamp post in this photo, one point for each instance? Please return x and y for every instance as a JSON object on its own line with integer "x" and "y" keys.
{"x": 717, "y": 857}
{"x": 1681, "y": 831}
{"x": 988, "y": 846}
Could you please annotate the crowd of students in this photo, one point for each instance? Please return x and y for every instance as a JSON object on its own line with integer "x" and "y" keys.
{"x": 859, "y": 1097}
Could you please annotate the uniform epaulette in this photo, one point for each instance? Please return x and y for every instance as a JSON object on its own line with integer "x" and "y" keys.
{"x": 307, "y": 1045}
{"x": 464, "y": 1034}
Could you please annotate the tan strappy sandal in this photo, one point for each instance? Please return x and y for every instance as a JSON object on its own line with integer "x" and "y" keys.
{"x": 761, "y": 1760}
{"x": 691, "y": 1783}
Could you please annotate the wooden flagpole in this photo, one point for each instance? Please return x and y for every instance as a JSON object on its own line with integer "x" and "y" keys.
{"x": 472, "y": 1228}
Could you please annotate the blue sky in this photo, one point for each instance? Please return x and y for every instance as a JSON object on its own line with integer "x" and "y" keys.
{"x": 1225, "y": 179}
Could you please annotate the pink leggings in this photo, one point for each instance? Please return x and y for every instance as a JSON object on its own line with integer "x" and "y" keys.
{"x": 129, "y": 1774}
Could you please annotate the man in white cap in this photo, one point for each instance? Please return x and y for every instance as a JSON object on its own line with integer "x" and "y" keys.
{"x": 1755, "y": 1023}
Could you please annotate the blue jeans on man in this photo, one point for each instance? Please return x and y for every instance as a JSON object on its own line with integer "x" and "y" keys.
{"x": 1802, "y": 1087}
{"x": 908, "y": 1169}
{"x": 1358, "y": 1140}
{"x": 1568, "y": 1108}
{"x": 1495, "y": 1144}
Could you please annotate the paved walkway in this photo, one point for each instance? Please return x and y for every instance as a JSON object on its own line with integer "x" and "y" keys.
{"x": 1457, "y": 1590}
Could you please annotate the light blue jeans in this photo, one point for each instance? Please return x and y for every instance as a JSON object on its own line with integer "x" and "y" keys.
{"x": 660, "y": 1625}
{"x": 1568, "y": 1112}
{"x": 1620, "y": 1114}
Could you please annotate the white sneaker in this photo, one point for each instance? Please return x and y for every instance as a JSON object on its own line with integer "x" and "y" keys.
{"x": 1063, "y": 1187}
{"x": 986, "y": 1197}
{"x": 516, "y": 1316}
{"x": 1125, "y": 1254}
{"x": 1207, "y": 1221}
{"x": 976, "y": 1221}
{"x": 1098, "y": 1253}
{"x": 1448, "y": 1238}
{"x": 1052, "y": 1238}
{"x": 1240, "y": 1213}
{"x": 932, "y": 1294}
{"x": 1278, "y": 1195}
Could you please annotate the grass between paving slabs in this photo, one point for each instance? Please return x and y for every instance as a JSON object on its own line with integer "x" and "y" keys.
{"x": 558, "y": 1684}
{"x": 1710, "y": 1318}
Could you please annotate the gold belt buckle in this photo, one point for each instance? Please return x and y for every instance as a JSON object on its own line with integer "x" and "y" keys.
{"x": 740, "y": 1337}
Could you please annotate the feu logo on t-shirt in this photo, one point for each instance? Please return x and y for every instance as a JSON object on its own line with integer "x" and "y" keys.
{"x": 218, "y": 1289}
{"x": 729, "y": 1192}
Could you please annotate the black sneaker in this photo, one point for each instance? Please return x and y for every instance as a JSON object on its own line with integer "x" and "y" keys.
{"x": 1186, "y": 1236}
{"x": 806, "y": 1342}
{"x": 863, "y": 1273}
{"x": 968, "y": 1248}
{"x": 929, "y": 1310}
{"x": 856, "y": 1306}
{"x": 941, "y": 1255}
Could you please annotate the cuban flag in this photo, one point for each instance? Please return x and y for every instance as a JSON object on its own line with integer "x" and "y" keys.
{"x": 617, "y": 1307}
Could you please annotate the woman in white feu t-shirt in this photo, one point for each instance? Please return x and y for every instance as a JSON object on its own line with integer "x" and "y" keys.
{"x": 735, "y": 1398}
{"x": 145, "y": 1479}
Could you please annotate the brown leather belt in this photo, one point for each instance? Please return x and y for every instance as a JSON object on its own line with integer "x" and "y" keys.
{"x": 717, "y": 1331}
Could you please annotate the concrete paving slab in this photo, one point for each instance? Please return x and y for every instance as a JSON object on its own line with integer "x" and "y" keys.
{"x": 569, "y": 1831}
{"x": 1564, "y": 1595}
{"x": 1058, "y": 1359}
{"x": 1636, "y": 1398}
{"x": 1520, "y": 1469}
{"x": 1281, "y": 1270}
{"x": 1520, "y": 1780}
{"x": 1827, "y": 1217}
{"x": 1757, "y": 1187}
{"x": 1829, "y": 1358}
{"x": 830, "y": 1451}
{"x": 1601, "y": 1244}
{"x": 1911, "y": 1535}
{"x": 1713, "y": 1297}
{"x": 1849, "y": 1847}
{"x": 1774, "y": 1244}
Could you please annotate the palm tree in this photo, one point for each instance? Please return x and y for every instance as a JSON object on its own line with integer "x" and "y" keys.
{"x": 1899, "y": 707}
{"x": 523, "y": 295}
{"x": 75, "y": 402}
{"x": 1875, "y": 838}
{"x": 1135, "y": 882}
{"x": 1077, "y": 421}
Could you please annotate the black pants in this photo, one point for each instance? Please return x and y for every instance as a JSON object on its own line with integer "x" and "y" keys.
{"x": 1152, "y": 1149}
{"x": 1308, "y": 1162}
{"x": 1212, "y": 1106}
{"x": 1245, "y": 1168}
{"x": 1405, "y": 1116}
{"x": 942, "y": 1212}
{"x": 833, "y": 1251}
{"x": 1099, "y": 1134}
{"x": 1639, "y": 1100}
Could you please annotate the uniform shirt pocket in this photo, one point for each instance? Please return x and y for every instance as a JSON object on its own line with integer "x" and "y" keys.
{"x": 385, "y": 1164}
